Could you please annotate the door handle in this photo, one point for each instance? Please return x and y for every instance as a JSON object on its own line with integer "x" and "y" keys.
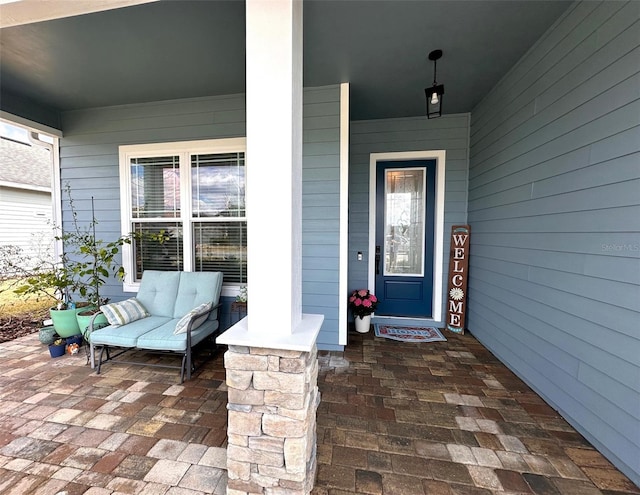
{"x": 377, "y": 260}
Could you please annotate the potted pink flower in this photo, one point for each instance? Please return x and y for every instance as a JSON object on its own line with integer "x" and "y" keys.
{"x": 362, "y": 303}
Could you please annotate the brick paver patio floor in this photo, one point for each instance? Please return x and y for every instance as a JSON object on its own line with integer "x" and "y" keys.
{"x": 395, "y": 418}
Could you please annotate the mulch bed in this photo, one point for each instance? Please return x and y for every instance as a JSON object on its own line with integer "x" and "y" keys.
{"x": 12, "y": 327}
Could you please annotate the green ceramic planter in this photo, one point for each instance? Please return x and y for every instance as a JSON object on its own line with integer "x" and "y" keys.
{"x": 65, "y": 321}
{"x": 85, "y": 319}
{"x": 47, "y": 335}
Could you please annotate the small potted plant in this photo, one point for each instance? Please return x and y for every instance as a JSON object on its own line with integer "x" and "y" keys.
{"x": 362, "y": 303}
{"x": 239, "y": 306}
{"x": 57, "y": 348}
{"x": 242, "y": 296}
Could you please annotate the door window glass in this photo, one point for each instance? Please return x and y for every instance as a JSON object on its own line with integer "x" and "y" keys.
{"x": 404, "y": 221}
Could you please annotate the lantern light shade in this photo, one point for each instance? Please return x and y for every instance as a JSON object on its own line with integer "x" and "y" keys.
{"x": 434, "y": 96}
{"x": 435, "y": 93}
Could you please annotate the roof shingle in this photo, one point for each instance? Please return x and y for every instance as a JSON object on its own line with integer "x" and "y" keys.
{"x": 25, "y": 164}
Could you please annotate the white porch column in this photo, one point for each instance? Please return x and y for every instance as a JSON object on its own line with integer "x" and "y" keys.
{"x": 271, "y": 363}
{"x": 274, "y": 158}
{"x": 274, "y": 181}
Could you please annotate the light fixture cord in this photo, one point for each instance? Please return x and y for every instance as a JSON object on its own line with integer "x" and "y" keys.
{"x": 435, "y": 69}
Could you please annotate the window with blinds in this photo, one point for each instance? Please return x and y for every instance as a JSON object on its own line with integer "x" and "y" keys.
{"x": 220, "y": 232}
{"x": 185, "y": 203}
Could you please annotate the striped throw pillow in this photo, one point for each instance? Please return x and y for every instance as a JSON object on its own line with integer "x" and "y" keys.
{"x": 199, "y": 314}
{"x": 124, "y": 312}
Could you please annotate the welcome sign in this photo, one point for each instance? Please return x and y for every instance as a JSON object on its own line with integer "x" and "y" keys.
{"x": 458, "y": 269}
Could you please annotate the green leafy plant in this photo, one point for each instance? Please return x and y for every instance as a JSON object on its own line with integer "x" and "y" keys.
{"x": 82, "y": 270}
{"x": 92, "y": 261}
{"x": 86, "y": 265}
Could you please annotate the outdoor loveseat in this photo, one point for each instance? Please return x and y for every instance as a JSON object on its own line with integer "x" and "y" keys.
{"x": 173, "y": 312}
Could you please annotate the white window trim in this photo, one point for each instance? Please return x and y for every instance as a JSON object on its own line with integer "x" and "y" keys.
{"x": 183, "y": 149}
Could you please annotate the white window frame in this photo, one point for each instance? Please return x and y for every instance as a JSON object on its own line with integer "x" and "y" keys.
{"x": 183, "y": 149}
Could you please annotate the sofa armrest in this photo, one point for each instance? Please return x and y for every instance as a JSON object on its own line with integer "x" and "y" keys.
{"x": 195, "y": 317}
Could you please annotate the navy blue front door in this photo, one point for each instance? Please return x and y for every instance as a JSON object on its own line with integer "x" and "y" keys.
{"x": 405, "y": 193}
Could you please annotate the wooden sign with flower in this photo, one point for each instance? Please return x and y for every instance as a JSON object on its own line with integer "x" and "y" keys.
{"x": 458, "y": 270}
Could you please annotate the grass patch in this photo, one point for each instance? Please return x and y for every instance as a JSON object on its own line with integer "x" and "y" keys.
{"x": 11, "y": 304}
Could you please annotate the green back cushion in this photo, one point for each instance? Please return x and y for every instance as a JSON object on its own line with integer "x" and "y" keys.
{"x": 197, "y": 288}
{"x": 158, "y": 292}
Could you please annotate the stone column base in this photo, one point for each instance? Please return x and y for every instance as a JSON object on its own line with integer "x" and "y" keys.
{"x": 273, "y": 399}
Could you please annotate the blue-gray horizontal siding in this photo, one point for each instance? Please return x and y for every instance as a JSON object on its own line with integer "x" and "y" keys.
{"x": 554, "y": 204}
{"x": 89, "y": 164}
{"x": 320, "y": 209}
{"x": 449, "y": 133}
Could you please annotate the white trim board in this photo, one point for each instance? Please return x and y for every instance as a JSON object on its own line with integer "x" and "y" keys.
{"x": 29, "y": 124}
{"x": 344, "y": 214}
{"x": 438, "y": 239}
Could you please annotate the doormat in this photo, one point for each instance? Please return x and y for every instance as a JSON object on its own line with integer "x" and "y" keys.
{"x": 405, "y": 333}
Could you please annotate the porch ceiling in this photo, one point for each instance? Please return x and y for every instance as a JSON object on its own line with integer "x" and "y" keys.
{"x": 177, "y": 49}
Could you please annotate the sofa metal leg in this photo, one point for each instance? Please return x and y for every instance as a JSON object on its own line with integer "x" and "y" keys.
{"x": 183, "y": 368}
{"x": 188, "y": 363}
{"x": 91, "y": 357}
{"x": 104, "y": 347}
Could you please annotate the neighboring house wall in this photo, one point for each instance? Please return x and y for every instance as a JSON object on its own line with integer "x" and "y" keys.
{"x": 449, "y": 133}
{"x": 89, "y": 164}
{"x": 554, "y": 193}
{"x": 25, "y": 221}
{"x": 25, "y": 199}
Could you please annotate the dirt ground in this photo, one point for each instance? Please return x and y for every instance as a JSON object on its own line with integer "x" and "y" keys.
{"x": 12, "y": 327}
{"x": 19, "y": 314}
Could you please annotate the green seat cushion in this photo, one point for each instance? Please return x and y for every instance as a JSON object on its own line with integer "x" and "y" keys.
{"x": 163, "y": 338}
{"x": 127, "y": 335}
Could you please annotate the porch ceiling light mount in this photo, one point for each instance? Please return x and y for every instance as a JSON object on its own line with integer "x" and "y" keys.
{"x": 435, "y": 93}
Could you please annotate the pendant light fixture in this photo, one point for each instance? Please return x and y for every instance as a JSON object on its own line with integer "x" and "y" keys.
{"x": 435, "y": 93}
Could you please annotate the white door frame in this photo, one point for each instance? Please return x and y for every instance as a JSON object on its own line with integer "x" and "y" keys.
{"x": 438, "y": 238}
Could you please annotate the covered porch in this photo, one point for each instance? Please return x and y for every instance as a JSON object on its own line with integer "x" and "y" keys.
{"x": 540, "y": 132}
{"x": 395, "y": 418}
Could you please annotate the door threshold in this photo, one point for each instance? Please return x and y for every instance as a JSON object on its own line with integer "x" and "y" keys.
{"x": 403, "y": 320}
